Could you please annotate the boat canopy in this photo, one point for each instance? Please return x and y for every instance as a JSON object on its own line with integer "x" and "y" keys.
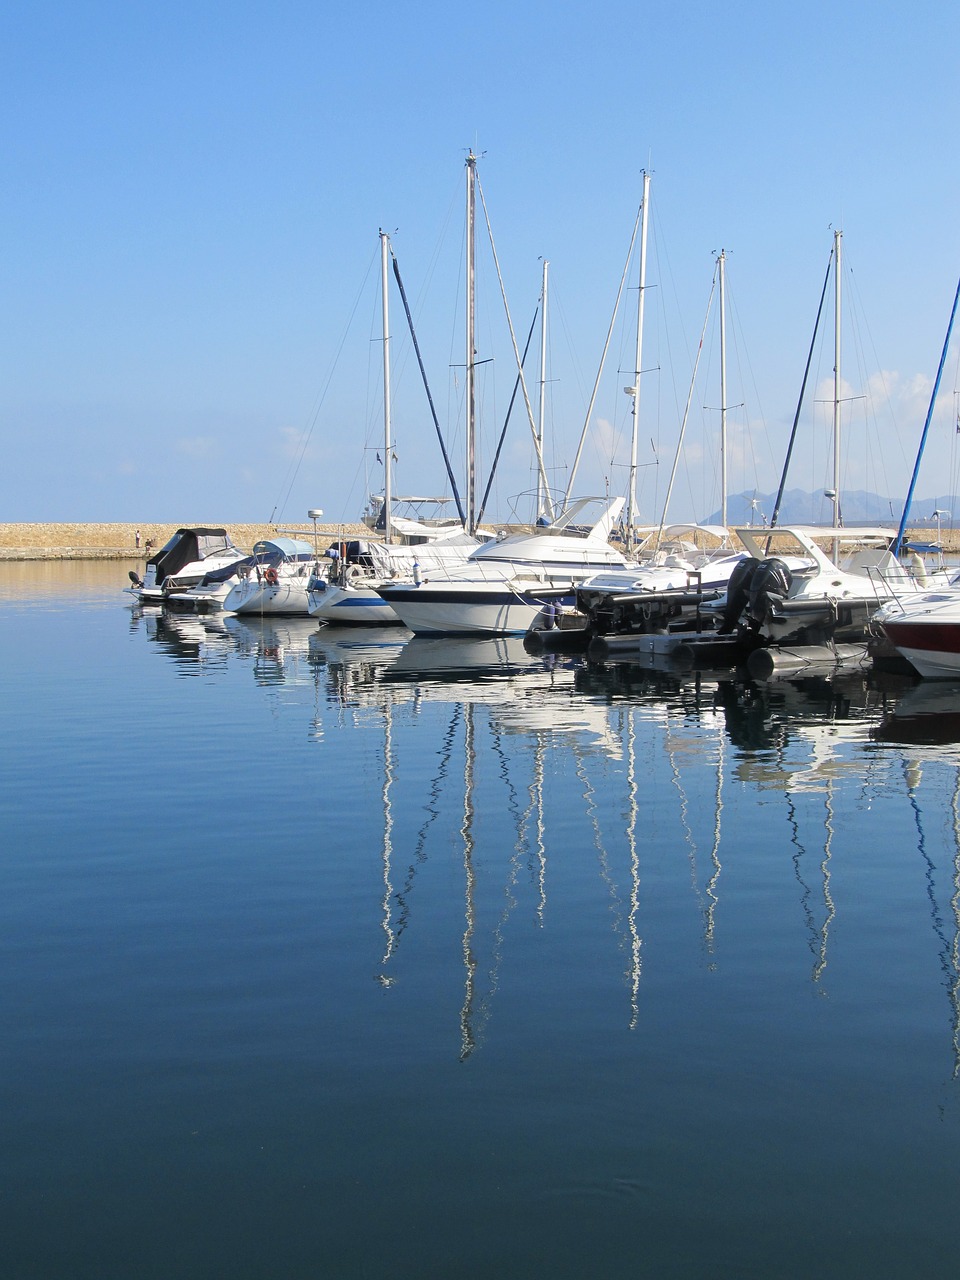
{"x": 276, "y": 550}
{"x": 187, "y": 546}
{"x": 227, "y": 571}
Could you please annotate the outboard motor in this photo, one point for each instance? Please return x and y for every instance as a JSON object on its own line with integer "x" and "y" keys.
{"x": 738, "y": 589}
{"x": 135, "y": 578}
{"x": 770, "y": 582}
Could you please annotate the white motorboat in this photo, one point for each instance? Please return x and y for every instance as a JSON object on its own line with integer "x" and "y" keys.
{"x": 211, "y": 591}
{"x": 503, "y": 585}
{"x": 182, "y": 562}
{"x": 276, "y": 581}
{"x": 502, "y": 606}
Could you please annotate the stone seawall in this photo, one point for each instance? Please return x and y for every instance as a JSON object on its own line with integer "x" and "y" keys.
{"x": 52, "y": 541}
{"x": 119, "y": 541}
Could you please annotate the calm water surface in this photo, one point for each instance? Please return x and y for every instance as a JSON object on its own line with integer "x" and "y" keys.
{"x": 337, "y": 955}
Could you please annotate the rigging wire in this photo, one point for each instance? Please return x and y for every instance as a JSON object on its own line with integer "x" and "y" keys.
{"x": 293, "y": 469}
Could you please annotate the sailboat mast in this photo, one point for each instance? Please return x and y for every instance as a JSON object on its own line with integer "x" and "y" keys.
{"x": 471, "y": 388}
{"x": 723, "y": 388}
{"x": 926, "y": 427}
{"x": 387, "y": 442}
{"x": 635, "y": 390}
{"x": 837, "y": 283}
{"x": 541, "y": 488}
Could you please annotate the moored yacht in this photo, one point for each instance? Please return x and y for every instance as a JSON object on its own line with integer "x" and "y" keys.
{"x": 277, "y": 579}
{"x": 503, "y": 585}
{"x": 792, "y": 592}
{"x": 665, "y": 589}
{"x": 925, "y": 629}
{"x": 183, "y": 561}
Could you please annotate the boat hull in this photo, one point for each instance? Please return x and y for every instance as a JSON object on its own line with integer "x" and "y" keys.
{"x": 494, "y": 610}
{"x": 287, "y": 598}
{"x": 931, "y": 647}
{"x": 351, "y": 606}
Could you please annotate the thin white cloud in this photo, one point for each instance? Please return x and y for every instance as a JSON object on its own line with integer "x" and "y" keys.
{"x": 197, "y": 446}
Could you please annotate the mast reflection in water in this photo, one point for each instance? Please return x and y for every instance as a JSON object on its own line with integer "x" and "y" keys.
{"x": 357, "y": 954}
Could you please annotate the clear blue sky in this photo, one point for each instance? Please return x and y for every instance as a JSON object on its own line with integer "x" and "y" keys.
{"x": 192, "y": 195}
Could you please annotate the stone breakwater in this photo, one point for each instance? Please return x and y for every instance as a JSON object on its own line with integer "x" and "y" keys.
{"x": 52, "y": 541}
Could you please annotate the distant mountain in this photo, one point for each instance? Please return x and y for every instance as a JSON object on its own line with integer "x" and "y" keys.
{"x": 856, "y": 506}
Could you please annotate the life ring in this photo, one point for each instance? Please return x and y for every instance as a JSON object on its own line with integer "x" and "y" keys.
{"x": 353, "y": 572}
{"x": 270, "y": 576}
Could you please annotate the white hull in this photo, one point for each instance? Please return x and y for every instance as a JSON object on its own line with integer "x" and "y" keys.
{"x": 467, "y": 608}
{"x": 200, "y": 599}
{"x": 287, "y": 597}
{"x": 352, "y": 606}
{"x": 934, "y": 664}
{"x": 812, "y": 600}
{"x": 503, "y": 586}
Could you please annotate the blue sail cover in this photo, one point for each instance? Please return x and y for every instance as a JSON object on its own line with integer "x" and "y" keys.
{"x": 276, "y": 550}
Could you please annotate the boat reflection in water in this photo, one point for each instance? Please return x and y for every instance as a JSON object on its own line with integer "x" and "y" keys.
{"x": 196, "y": 644}
{"x": 488, "y": 693}
{"x": 618, "y": 740}
{"x": 928, "y": 714}
{"x": 690, "y": 819}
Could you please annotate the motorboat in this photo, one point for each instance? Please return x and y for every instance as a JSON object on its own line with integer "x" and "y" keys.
{"x": 925, "y": 629}
{"x": 471, "y": 606}
{"x": 791, "y": 591}
{"x": 186, "y": 558}
{"x": 504, "y": 585}
{"x": 277, "y": 579}
{"x": 674, "y": 576}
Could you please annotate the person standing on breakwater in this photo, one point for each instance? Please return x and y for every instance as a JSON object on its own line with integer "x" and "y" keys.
{"x": 137, "y": 539}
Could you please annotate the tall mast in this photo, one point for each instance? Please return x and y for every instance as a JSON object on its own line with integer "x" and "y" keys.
{"x": 635, "y": 389}
{"x": 471, "y": 388}
{"x": 721, "y": 262}
{"x": 837, "y": 280}
{"x": 541, "y": 488}
{"x": 926, "y": 427}
{"x": 387, "y": 442}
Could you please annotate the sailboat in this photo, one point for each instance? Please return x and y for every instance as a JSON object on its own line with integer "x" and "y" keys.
{"x": 809, "y": 592}
{"x": 504, "y": 585}
{"x": 274, "y": 580}
{"x": 680, "y": 568}
{"x": 925, "y": 628}
{"x": 348, "y": 594}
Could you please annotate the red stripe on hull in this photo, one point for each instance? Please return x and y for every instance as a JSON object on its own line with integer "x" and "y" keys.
{"x": 925, "y": 637}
